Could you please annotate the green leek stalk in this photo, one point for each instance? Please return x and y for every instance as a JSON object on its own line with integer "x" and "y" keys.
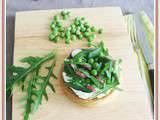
{"x": 143, "y": 66}
{"x": 149, "y": 29}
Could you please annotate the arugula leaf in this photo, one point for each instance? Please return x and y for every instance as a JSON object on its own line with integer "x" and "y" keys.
{"x": 93, "y": 79}
{"x": 20, "y": 73}
{"x": 29, "y": 100}
{"x": 42, "y": 91}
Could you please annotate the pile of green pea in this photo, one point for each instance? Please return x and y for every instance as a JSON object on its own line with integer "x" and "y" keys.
{"x": 79, "y": 29}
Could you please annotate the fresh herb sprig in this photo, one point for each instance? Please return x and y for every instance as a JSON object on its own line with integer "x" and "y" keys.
{"x": 31, "y": 81}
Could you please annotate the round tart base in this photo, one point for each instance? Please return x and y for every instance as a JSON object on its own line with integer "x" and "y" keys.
{"x": 85, "y": 102}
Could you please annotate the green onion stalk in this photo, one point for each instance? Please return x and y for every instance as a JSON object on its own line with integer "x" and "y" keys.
{"x": 143, "y": 66}
{"x": 149, "y": 29}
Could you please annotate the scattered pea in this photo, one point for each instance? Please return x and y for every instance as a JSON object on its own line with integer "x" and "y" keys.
{"x": 73, "y": 30}
{"x": 100, "y": 31}
{"x": 67, "y": 41}
{"x": 62, "y": 35}
{"x": 86, "y": 34}
{"x": 51, "y": 37}
{"x": 59, "y": 24}
{"x": 93, "y": 29}
{"x": 56, "y": 17}
{"x": 61, "y": 29}
{"x": 90, "y": 38}
{"x": 64, "y": 17}
{"x": 52, "y": 26}
{"x": 80, "y": 36}
{"x": 78, "y": 32}
{"x": 76, "y": 22}
{"x": 63, "y": 13}
{"x": 89, "y": 44}
{"x": 73, "y": 37}
{"x": 86, "y": 24}
{"x": 83, "y": 29}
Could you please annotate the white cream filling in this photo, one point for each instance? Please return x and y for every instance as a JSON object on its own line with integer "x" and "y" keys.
{"x": 66, "y": 78}
{"x": 75, "y": 52}
{"x": 82, "y": 94}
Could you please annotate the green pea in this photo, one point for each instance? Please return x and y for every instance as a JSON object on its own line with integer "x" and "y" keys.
{"x": 73, "y": 37}
{"x": 88, "y": 30}
{"x": 67, "y": 41}
{"x": 68, "y": 33}
{"x": 80, "y": 37}
{"x": 68, "y": 37}
{"x": 91, "y": 60}
{"x": 83, "y": 29}
{"x": 76, "y": 22}
{"x": 79, "y": 28}
{"x": 83, "y": 18}
{"x": 62, "y": 35}
{"x": 64, "y": 17}
{"x": 90, "y": 39}
{"x": 86, "y": 24}
{"x": 52, "y": 26}
{"x": 73, "y": 26}
{"x": 93, "y": 29}
{"x": 86, "y": 34}
{"x": 63, "y": 13}
{"x": 51, "y": 37}
{"x": 73, "y": 30}
{"x": 55, "y": 32}
{"x": 78, "y": 32}
{"x": 56, "y": 39}
{"x": 94, "y": 36}
{"x": 89, "y": 44}
{"x": 61, "y": 29}
{"x": 56, "y": 17}
{"x": 96, "y": 65}
{"x": 94, "y": 72}
{"x": 59, "y": 24}
{"x": 68, "y": 13}
{"x": 100, "y": 31}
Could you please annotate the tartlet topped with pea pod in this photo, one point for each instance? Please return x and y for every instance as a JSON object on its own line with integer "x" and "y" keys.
{"x": 90, "y": 74}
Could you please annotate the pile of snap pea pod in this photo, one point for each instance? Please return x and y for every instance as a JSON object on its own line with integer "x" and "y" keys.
{"x": 79, "y": 29}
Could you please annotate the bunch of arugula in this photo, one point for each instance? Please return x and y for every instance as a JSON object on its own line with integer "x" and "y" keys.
{"x": 31, "y": 81}
{"x": 107, "y": 70}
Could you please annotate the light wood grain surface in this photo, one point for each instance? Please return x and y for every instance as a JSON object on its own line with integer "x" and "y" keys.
{"x": 31, "y": 38}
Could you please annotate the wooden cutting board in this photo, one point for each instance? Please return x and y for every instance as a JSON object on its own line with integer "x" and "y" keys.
{"x": 31, "y": 38}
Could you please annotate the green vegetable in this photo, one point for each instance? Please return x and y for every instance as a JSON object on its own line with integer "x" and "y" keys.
{"x": 62, "y": 35}
{"x": 29, "y": 84}
{"x": 100, "y": 31}
{"x": 74, "y": 37}
{"x": 51, "y": 37}
{"x": 56, "y": 17}
{"x": 93, "y": 29}
{"x": 89, "y": 44}
{"x": 94, "y": 72}
{"x": 91, "y": 60}
{"x": 86, "y": 34}
{"x": 93, "y": 79}
{"x": 96, "y": 65}
{"x": 80, "y": 37}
